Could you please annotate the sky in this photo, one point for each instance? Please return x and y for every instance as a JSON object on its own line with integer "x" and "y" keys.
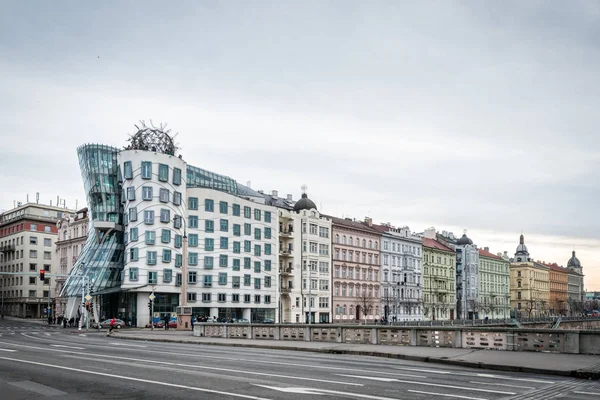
{"x": 458, "y": 115}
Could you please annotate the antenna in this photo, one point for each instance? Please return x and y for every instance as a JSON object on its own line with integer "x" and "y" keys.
{"x": 304, "y": 188}
{"x": 28, "y": 197}
{"x": 37, "y": 197}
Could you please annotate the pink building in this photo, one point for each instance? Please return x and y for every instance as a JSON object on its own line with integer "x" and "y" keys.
{"x": 356, "y": 271}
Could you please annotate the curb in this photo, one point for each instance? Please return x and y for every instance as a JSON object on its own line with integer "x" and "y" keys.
{"x": 582, "y": 374}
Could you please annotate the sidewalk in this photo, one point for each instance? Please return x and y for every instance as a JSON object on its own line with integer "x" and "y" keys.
{"x": 39, "y": 321}
{"x": 576, "y": 365}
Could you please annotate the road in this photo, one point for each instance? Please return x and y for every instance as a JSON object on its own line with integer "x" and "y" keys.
{"x": 38, "y": 361}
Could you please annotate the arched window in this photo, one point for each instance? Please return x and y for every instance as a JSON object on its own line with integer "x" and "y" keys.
{"x": 344, "y": 309}
{"x": 350, "y": 241}
{"x": 370, "y": 244}
{"x": 364, "y": 243}
{"x": 351, "y": 310}
{"x": 344, "y": 239}
{"x": 376, "y": 245}
{"x": 337, "y": 238}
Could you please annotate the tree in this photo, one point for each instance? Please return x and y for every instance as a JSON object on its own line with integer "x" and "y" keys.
{"x": 530, "y": 307}
{"x": 365, "y": 303}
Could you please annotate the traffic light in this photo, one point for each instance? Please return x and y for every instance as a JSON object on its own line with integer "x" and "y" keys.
{"x": 42, "y": 275}
{"x": 150, "y": 305}
{"x": 87, "y": 305}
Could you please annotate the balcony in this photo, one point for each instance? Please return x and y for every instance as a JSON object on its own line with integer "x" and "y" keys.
{"x": 285, "y": 271}
{"x": 287, "y": 234}
{"x": 7, "y": 247}
{"x": 286, "y": 291}
{"x": 285, "y": 253}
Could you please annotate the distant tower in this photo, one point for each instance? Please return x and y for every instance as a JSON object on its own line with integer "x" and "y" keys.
{"x": 574, "y": 265}
{"x": 522, "y": 254}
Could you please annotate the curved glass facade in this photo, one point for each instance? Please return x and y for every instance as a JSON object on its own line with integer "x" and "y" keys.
{"x": 200, "y": 178}
{"x": 101, "y": 259}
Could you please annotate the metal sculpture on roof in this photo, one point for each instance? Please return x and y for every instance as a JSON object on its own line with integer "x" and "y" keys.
{"x": 152, "y": 138}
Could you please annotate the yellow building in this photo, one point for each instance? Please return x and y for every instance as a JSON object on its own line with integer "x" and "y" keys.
{"x": 439, "y": 279}
{"x": 529, "y": 285}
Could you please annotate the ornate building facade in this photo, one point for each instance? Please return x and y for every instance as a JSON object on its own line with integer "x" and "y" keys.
{"x": 439, "y": 280}
{"x": 494, "y": 285}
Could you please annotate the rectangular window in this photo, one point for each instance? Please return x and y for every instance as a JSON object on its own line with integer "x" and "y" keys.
{"x": 246, "y": 298}
{"x": 163, "y": 172}
{"x": 192, "y": 277}
{"x": 165, "y": 215}
{"x": 193, "y": 221}
{"x": 235, "y": 282}
{"x": 207, "y": 280}
{"x": 177, "y": 198}
{"x": 257, "y": 298}
{"x": 133, "y": 254}
{"x": 247, "y": 229}
{"x": 133, "y": 214}
{"x": 223, "y": 207}
{"x": 257, "y": 250}
{"x": 165, "y": 236}
{"x": 267, "y": 281}
{"x": 324, "y": 249}
{"x": 209, "y": 226}
{"x": 193, "y": 203}
{"x": 176, "y": 176}
{"x": 32, "y": 240}
{"x": 224, "y": 225}
{"x": 236, "y": 264}
{"x": 267, "y": 265}
{"x": 257, "y": 233}
{"x": 177, "y": 221}
{"x": 152, "y": 277}
{"x": 167, "y": 275}
{"x": 235, "y": 210}
{"x": 47, "y": 242}
{"x": 146, "y": 192}
{"x": 247, "y": 262}
{"x": 267, "y": 298}
{"x": 133, "y": 274}
{"x": 33, "y": 227}
{"x": 223, "y": 260}
{"x": 247, "y": 212}
{"x": 235, "y": 298}
{"x": 166, "y": 256}
{"x": 149, "y": 217}
{"x": 32, "y": 253}
{"x": 224, "y": 242}
{"x": 209, "y": 244}
{"x": 127, "y": 170}
{"x": 257, "y": 214}
{"x": 193, "y": 240}
{"x": 150, "y": 237}
{"x": 178, "y": 260}
{"x": 208, "y": 262}
{"x": 192, "y": 296}
{"x": 178, "y": 241}
{"x": 256, "y": 266}
{"x": 206, "y": 297}
{"x": 267, "y": 233}
{"x": 237, "y": 230}
{"x": 151, "y": 257}
{"x": 268, "y": 216}
{"x": 247, "y": 246}
{"x": 163, "y": 195}
{"x": 178, "y": 279}
{"x": 256, "y": 283}
{"x": 267, "y": 249}
{"x": 247, "y": 280}
{"x": 146, "y": 170}
{"x": 209, "y": 205}
{"x": 222, "y": 297}
{"x": 222, "y": 278}
{"x": 236, "y": 247}
{"x": 131, "y": 193}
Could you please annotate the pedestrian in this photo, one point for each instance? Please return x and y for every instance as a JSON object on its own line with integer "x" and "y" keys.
{"x": 192, "y": 321}
{"x": 113, "y": 324}
{"x": 167, "y": 319}
{"x": 64, "y": 322}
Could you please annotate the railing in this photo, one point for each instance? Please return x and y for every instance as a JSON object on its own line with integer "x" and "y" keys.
{"x": 7, "y": 247}
{"x": 492, "y": 338}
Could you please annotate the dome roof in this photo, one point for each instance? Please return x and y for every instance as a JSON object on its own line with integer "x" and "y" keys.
{"x": 304, "y": 204}
{"x": 150, "y": 138}
{"x": 574, "y": 261}
{"x": 464, "y": 240}
{"x": 521, "y": 248}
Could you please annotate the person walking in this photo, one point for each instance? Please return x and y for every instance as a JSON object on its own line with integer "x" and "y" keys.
{"x": 113, "y": 325}
{"x": 167, "y": 318}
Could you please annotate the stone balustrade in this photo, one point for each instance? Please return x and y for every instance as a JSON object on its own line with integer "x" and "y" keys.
{"x": 489, "y": 338}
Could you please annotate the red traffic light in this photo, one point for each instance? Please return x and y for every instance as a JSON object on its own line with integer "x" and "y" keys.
{"x": 42, "y": 275}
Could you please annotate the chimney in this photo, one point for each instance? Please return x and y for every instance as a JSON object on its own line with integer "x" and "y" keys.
{"x": 486, "y": 249}
{"x": 369, "y": 221}
{"x": 274, "y": 193}
{"x": 289, "y": 197}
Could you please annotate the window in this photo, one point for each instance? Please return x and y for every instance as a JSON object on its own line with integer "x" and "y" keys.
{"x": 47, "y": 242}
{"x": 193, "y": 240}
{"x": 323, "y": 232}
{"x": 32, "y": 253}
{"x": 133, "y": 214}
{"x": 151, "y": 257}
{"x": 209, "y": 244}
{"x": 313, "y": 229}
{"x": 32, "y": 280}
{"x": 235, "y": 298}
{"x": 193, "y": 203}
{"x": 192, "y": 277}
{"x": 257, "y": 233}
{"x": 246, "y": 298}
{"x": 163, "y": 172}
{"x": 256, "y": 283}
{"x": 146, "y": 170}
{"x": 223, "y": 207}
{"x": 267, "y": 265}
{"x": 324, "y": 302}
{"x": 222, "y": 297}
{"x": 133, "y": 254}
{"x": 127, "y": 170}
{"x": 150, "y": 237}
{"x": 247, "y": 280}
{"x": 193, "y": 221}
{"x": 131, "y": 193}
{"x": 176, "y": 176}
{"x": 267, "y": 281}
{"x": 257, "y": 250}
{"x": 237, "y": 230}
{"x": 208, "y": 262}
{"x": 223, "y": 260}
{"x": 323, "y": 284}
{"x": 224, "y": 242}
{"x": 133, "y": 274}
{"x": 146, "y": 192}
{"x": 165, "y": 215}
{"x": 32, "y": 240}
{"x": 178, "y": 260}
{"x": 257, "y": 214}
{"x": 163, "y": 195}
{"x": 222, "y": 278}
{"x": 257, "y": 298}
{"x": 313, "y": 247}
{"x": 235, "y": 282}
{"x": 236, "y": 264}
{"x": 167, "y": 275}
{"x": 149, "y": 217}
{"x": 256, "y": 266}
{"x": 178, "y": 279}
{"x": 247, "y": 229}
{"x": 235, "y": 210}
{"x": 267, "y": 249}
{"x": 247, "y": 212}
{"x": 166, "y": 256}
{"x": 268, "y": 216}
{"x": 209, "y": 226}
{"x": 178, "y": 241}
{"x": 177, "y": 198}
{"x": 206, "y": 297}
{"x": 267, "y": 233}
{"x": 177, "y": 221}
{"x": 224, "y": 225}
{"x": 33, "y": 227}
{"x": 191, "y": 296}
{"x": 209, "y": 205}
{"x": 207, "y": 280}
{"x": 246, "y": 262}
{"x": 152, "y": 277}
{"x": 165, "y": 236}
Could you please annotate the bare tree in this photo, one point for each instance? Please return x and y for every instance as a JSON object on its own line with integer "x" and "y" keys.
{"x": 530, "y": 307}
{"x": 366, "y": 304}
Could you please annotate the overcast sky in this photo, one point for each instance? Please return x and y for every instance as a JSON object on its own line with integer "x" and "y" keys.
{"x": 459, "y": 115}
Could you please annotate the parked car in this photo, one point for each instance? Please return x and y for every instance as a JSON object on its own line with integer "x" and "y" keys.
{"x": 106, "y": 324}
{"x": 242, "y": 321}
{"x": 268, "y": 321}
{"x": 157, "y": 324}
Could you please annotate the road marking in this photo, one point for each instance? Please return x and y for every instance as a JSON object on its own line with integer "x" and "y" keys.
{"x": 68, "y": 347}
{"x": 38, "y": 388}
{"x": 588, "y": 393}
{"x": 129, "y": 378}
{"x": 502, "y": 384}
{"x": 492, "y": 376}
{"x": 313, "y": 392}
{"x": 128, "y": 345}
{"x": 373, "y": 378}
{"x": 445, "y": 395}
{"x": 12, "y": 351}
{"x": 441, "y": 385}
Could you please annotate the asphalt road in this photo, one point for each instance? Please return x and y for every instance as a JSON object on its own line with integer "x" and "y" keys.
{"x": 38, "y": 361}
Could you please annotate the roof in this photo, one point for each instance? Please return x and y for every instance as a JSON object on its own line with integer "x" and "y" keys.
{"x": 353, "y": 224}
{"x": 484, "y": 253}
{"x": 434, "y": 244}
{"x": 554, "y": 267}
{"x": 304, "y": 204}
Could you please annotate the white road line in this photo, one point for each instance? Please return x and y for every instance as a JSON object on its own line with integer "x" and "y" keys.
{"x": 588, "y": 393}
{"x": 128, "y": 378}
{"x": 491, "y": 376}
{"x": 9, "y": 350}
{"x": 318, "y": 392}
{"x": 446, "y": 386}
{"x": 446, "y": 395}
{"x": 68, "y": 347}
{"x": 128, "y": 345}
{"x": 502, "y": 384}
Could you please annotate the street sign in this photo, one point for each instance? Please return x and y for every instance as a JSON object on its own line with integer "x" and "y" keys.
{"x": 152, "y": 297}
{"x": 88, "y": 297}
